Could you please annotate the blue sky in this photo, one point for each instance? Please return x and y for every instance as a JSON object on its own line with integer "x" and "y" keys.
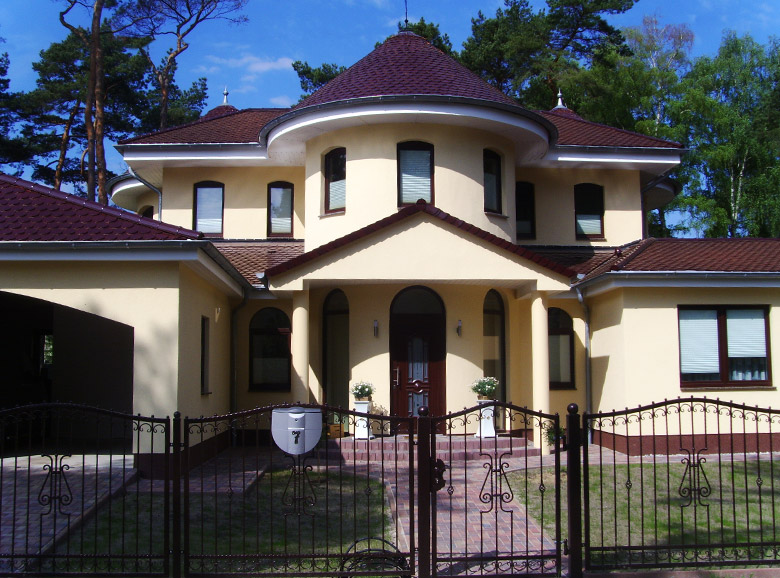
{"x": 254, "y": 59}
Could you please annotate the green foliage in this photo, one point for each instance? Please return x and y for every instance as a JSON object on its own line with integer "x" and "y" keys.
{"x": 312, "y": 79}
{"x": 485, "y": 386}
{"x": 430, "y": 31}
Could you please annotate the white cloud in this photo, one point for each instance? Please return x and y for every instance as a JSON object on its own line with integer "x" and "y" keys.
{"x": 252, "y": 66}
{"x": 282, "y": 101}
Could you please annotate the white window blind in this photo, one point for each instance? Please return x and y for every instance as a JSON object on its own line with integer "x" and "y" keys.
{"x": 209, "y": 210}
{"x": 699, "y": 341}
{"x": 338, "y": 194}
{"x": 745, "y": 330}
{"x": 415, "y": 175}
{"x": 281, "y": 210}
{"x": 589, "y": 224}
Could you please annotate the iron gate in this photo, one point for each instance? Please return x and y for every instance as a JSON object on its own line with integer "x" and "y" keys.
{"x": 72, "y": 497}
{"x": 687, "y": 482}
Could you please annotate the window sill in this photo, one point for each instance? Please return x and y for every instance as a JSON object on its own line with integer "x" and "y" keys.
{"x": 729, "y": 387}
{"x": 333, "y": 214}
{"x": 581, "y": 238}
{"x": 206, "y": 392}
{"x": 493, "y": 215}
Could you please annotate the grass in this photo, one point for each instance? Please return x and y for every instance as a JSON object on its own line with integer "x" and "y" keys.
{"x": 664, "y": 512}
{"x": 302, "y": 523}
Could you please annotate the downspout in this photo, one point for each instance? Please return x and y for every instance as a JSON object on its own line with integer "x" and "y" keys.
{"x": 234, "y": 350}
{"x": 151, "y": 186}
{"x": 588, "y": 385}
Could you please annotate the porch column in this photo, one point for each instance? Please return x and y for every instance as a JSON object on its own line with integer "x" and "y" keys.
{"x": 299, "y": 347}
{"x": 540, "y": 360}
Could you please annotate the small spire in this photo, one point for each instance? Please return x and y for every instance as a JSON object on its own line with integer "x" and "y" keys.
{"x": 225, "y": 92}
{"x": 560, "y": 100}
{"x": 406, "y": 16}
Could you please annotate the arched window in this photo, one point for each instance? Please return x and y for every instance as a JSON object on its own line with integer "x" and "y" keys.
{"x": 589, "y": 211}
{"x": 560, "y": 330}
{"x": 208, "y": 205}
{"x": 335, "y": 349}
{"x": 280, "y": 209}
{"x": 269, "y": 351}
{"x": 336, "y": 180}
{"x": 415, "y": 172}
{"x": 494, "y": 364}
{"x": 491, "y": 162}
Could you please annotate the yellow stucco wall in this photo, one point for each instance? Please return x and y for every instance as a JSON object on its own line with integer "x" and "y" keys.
{"x": 372, "y": 177}
{"x": 636, "y": 356}
{"x": 120, "y": 292}
{"x": 245, "y": 200}
{"x": 554, "y": 196}
{"x": 199, "y": 299}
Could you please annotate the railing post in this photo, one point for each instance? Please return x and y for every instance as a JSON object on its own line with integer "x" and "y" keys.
{"x": 574, "y": 489}
{"x": 423, "y": 493}
{"x": 175, "y": 457}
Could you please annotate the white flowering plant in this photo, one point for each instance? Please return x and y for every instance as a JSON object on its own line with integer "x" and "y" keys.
{"x": 485, "y": 386}
{"x": 362, "y": 389}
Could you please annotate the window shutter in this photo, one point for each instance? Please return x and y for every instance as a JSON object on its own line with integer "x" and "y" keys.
{"x": 281, "y": 210}
{"x": 699, "y": 341}
{"x": 209, "y": 210}
{"x": 338, "y": 194}
{"x": 745, "y": 329}
{"x": 415, "y": 175}
{"x": 588, "y": 224}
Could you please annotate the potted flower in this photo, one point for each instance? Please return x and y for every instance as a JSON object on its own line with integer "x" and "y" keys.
{"x": 485, "y": 387}
{"x": 362, "y": 390}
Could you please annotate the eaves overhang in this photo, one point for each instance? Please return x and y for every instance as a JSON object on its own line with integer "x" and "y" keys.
{"x": 199, "y": 255}
{"x": 531, "y": 132}
{"x": 655, "y": 160}
{"x": 679, "y": 279}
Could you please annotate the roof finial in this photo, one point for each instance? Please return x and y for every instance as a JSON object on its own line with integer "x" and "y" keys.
{"x": 225, "y": 92}
{"x": 560, "y": 100}
{"x": 406, "y": 16}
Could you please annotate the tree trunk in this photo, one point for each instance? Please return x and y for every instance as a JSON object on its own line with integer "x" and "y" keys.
{"x": 64, "y": 143}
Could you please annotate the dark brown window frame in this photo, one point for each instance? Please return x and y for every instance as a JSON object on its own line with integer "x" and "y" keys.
{"x": 491, "y": 155}
{"x": 208, "y": 184}
{"x": 414, "y": 145}
{"x": 564, "y": 331}
{"x": 531, "y": 192}
{"x": 280, "y": 185}
{"x": 327, "y": 166}
{"x": 205, "y": 361}
{"x": 580, "y": 190}
{"x": 723, "y": 354}
{"x": 286, "y": 331}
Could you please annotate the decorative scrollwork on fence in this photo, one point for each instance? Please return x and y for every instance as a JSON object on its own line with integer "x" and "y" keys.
{"x": 55, "y": 493}
{"x": 694, "y": 485}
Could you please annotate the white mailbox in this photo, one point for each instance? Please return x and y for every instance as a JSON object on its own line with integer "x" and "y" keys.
{"x": 296, "y": 430}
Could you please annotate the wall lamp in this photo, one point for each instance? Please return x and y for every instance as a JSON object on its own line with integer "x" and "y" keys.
{"x": 459, "y": 328}
{"x": 376, "y": 328}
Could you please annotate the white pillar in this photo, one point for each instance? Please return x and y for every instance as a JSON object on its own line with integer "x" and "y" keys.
{"x": 299, "y": 347}
{"x": 540, "y": 361}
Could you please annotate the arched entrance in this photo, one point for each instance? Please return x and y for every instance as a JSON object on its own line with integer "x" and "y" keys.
{"x": 417, "y": 352}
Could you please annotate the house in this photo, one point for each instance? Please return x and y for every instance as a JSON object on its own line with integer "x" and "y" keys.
{"x": 408, "y": 225}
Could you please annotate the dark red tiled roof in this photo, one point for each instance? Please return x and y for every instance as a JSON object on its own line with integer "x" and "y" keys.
{"x": 406, "y": 212}
{"x": 241, "y": 126}
{"x": 581, "y": 260}
{"x": 575, "y": 131}
{"x": 406, "y": 64}
{"x": 252, "y": 257}
{"x": 32, "y": 212}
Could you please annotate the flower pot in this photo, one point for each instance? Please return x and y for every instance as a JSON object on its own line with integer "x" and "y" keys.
{"x": 486, "y": 427}
{"x": 362, "y": 427}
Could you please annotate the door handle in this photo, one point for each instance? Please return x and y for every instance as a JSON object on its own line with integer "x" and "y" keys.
{"x": 397, "y": 378}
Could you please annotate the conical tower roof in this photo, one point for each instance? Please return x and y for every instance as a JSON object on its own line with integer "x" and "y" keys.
{"x": 406, "y": 65}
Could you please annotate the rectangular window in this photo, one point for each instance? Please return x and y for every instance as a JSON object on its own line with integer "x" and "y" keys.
{"x": 208, "y": 208}
{"x": 280, "y": 209}
{"x": 525, "y": 208}
{"x": 492, "y": 170}
{"x": 204, "y": 355}
{"x": 415, "y": 172}
{"x": 723, "y": 346}
{"x": 589, "y": 211}
{"x": 336, "y": 180}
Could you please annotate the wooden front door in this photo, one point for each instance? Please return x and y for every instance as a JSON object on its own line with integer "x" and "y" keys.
{"x": 417, "y": 352}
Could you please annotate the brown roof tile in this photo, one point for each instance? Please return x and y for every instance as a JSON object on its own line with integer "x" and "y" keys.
{"x": 252, "y": 257}
{"x": 575, "y": 131}
{"x": 406, "y": 212}
{"x": 406, "y": 64}
{"x": 234, "y": 126}
{"x": 32, "y": 212}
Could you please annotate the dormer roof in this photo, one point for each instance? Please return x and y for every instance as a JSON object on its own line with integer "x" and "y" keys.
{"x": 406, "y": 64}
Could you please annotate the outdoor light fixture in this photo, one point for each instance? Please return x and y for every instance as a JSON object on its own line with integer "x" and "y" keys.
{"x": 459, "y": 329}
{"x": 376, "y": 328}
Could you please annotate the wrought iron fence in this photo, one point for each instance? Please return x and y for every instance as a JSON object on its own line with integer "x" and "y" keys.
{"x": 690, "y": 482}
{"x": 72, "y": 500}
